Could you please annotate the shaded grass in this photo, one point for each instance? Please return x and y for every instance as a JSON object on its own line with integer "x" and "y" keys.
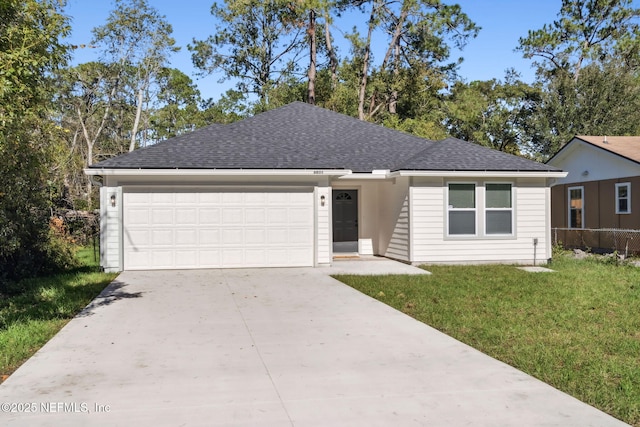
{"x": 30, "y": 319}
{"x": 577, "y": 329}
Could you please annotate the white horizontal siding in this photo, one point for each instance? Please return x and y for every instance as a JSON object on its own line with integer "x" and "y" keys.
{"x": 110, "y": 229}
{"x": 323, "y": 226}
{"x": 395, "y": 220}
{"x": 399, "y": 244}
{"x": 430, "y": 245}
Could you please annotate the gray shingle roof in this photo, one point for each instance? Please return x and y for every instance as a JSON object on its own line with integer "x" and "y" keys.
{"x": 302, "y": 136}
{"x": 454, "y": 154}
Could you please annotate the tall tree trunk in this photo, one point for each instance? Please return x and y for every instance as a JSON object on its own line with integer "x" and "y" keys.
{"x": 333, "y": 59}
{"x": 136, "y": 123}
{"x": 311, "y": 91}
{"x": 394, "y": 50}
{"x": 91, "y": 142}
{"x": 362, "y": 90}
{"x": 393, "y": 98}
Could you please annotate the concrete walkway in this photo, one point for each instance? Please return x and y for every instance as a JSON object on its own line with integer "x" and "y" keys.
{"x": 267, "y": 347}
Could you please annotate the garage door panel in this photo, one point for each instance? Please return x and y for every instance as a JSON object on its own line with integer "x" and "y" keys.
{"x": 300, "y": 236}
{"x": 161, "y": 216}
{"x": 254, "y": 216}
{"x": 278, "y": 256}
{"x": 232, "y": 257}
{"x": 186, "y": 259}
{"x": 186, "y": 216}
{"x": 255, "y": 237}
{"x": 209, "y": 216}
{"x": 277, "y": 236}
{"x": 299, "y": 256}
{"x": 278, "y": 198}
{"x": 254, "y": 257}
{"x": 186, "y": 198}
{"x": 232, "y": 236}
{"x": 298, "y": 215}
{"x": 232, "y": 216}
{"x": 255, "y": 198}
{"x": 162, "y": 258}
{"x": 210, "y": 199}
{"x": 140, "y": 237}
{"x": 208, "y": 229}
{"x": 162, "y": 237}
{"x": 209, "y": 237}
{"x": 187, "y": 237}
{"x": 138, "y": 198}
{"x": 232, "y": 198}
{"x": 162, "y": 198}
{"x": 138, "y": 216}
{"x": 209, "y": 258}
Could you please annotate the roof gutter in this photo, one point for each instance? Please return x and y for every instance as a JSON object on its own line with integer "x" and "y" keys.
{"x": 216, "y": 172}
{"x": 488, "y": 174}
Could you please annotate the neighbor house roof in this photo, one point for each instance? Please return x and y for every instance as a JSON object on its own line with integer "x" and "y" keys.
{"x": 302, "y": 136}
{"x": 625, "y": 146}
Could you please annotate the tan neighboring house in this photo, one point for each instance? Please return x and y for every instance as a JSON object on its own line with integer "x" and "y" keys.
{"x": 600, "y": 192}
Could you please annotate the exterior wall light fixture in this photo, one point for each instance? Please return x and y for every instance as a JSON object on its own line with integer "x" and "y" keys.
{"x": 322, "y": 200}
{"x": 113, "y": 200}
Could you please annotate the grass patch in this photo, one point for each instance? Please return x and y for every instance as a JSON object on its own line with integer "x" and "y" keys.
{"x": 577, "y": 329}
{"x": 30, "y": 319}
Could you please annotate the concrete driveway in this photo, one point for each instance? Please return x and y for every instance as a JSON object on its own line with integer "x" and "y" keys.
{"x": 268, "y": 347}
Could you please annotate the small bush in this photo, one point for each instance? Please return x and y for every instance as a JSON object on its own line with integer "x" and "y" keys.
{"x": 52, "y": 254}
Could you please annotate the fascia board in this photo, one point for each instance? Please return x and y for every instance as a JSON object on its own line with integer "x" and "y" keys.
{"x": 482, "y": 174}
{"x": 216, "y": 172}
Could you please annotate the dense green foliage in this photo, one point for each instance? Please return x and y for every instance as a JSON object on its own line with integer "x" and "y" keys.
{"x": 575, "y": 329}
{"x": 29, "y": 52}
{"x": 588, "y": 65}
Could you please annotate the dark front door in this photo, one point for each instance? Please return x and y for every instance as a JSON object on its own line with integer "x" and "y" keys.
{"x": 345, "y": 220}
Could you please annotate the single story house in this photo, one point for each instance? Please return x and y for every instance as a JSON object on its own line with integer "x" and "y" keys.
{"x": 601, "y": 191}
{"x": 297, "y": 185}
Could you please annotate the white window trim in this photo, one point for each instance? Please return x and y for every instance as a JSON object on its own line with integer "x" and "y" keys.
{"x": 581, "y": 188}
{"x": 512, "y": 209}
{"x": 618, "y": 186}
{"x": 475, "y": 210}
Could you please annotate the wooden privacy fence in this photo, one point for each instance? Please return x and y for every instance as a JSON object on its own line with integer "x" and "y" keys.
{"x": 601, "y": 240}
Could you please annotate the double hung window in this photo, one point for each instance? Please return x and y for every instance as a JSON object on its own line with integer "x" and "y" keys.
{"x": 623, "y": 198}
{"x": 576, "y": 207}
{"x": 499, "y": 209}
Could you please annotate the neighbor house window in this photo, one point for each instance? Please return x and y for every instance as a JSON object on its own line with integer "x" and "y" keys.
{"x": 462, "y": 209}
{"x": 623, "y": 198}
{"x": 498, "y": 209}
{"x": 576, "y": 207}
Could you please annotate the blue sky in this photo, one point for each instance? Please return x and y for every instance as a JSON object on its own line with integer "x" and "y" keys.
{"x": 486, "y": 57}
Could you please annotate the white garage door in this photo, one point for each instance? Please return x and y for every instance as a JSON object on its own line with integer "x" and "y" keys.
{"x": 177, "y": 229}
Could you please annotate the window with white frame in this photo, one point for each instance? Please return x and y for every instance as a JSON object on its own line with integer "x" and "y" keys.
{"x": 462, "y": 209}
{"x": 498, "y": 209}
{"x": 576, "y": 207}
{"x": 623, "y": 198}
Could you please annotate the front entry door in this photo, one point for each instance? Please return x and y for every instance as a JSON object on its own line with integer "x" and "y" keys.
{"x": 345, "y": 220}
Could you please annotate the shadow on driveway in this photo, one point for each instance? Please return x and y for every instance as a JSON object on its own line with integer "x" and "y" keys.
{"x": 112, "y": 293}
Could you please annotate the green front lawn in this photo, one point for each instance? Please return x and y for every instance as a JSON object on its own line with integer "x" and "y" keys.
{"x": 30, "y": 319}
{"x": 577, "y": 329}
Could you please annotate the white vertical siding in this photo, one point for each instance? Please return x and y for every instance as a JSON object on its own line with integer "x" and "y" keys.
{"x": 428, "y": 227}
{"x": 394, "y": 219}
{"x": 110, "y": 229}
{"x": 323, "y": 226}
